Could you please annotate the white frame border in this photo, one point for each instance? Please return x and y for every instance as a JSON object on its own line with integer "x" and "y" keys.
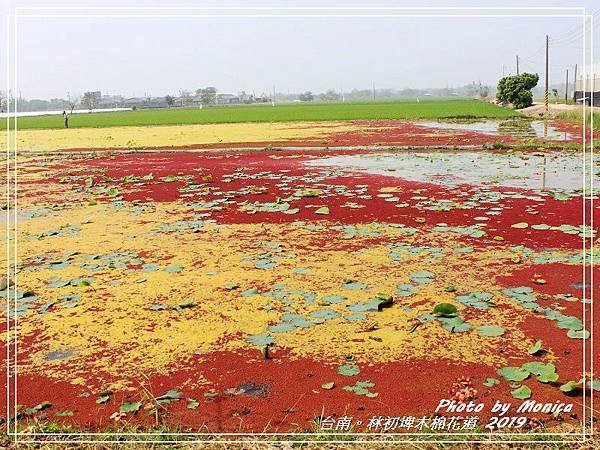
{"x": 586, "y": 17}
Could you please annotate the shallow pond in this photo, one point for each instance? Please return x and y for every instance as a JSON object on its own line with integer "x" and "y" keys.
{"x": 515, "y": 128}
{"x": 554, "y": 172}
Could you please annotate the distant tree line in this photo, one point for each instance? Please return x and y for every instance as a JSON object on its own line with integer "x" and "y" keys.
{"x": 209, "y": 96}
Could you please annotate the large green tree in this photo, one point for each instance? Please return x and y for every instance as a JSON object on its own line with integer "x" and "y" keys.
{"x": 306, "y": 96}
{"x": 516, "y": 89}
{"x": 208, "y": 95}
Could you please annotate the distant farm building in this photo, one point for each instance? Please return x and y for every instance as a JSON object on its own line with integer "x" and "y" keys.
{"x": 587, "y": 89}
{"x": 145, "y": 102}
{"x": 228, "y": 99}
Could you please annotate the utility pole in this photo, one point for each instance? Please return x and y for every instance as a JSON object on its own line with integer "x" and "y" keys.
{"x": 574, "y": 83}
{"x": 567, "y": 88}
{"x": 546, "y": 80}
{"x": 517, "y": 64}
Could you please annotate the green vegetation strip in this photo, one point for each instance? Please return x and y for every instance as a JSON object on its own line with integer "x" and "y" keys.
{"x": 577, "y": 117}
{"x": 425, "y": 109}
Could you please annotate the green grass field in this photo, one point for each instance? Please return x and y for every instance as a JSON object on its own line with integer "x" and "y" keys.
{"x": 427, "y": 109}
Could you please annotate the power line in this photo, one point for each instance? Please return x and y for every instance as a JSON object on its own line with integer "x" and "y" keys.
{"x": 576, "y": 28}
{"x": 540, "y": 61}
{"x": 559, "y": 42}
{"x": 539, "y": 50}
{"x": 579, "y": 47}
{"x": 565, "y": 39}
{"x": 575, "y": 32}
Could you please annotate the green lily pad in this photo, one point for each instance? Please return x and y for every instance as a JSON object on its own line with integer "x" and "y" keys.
{"x": 128, "y": 407}
{"x": 355, "y": 317}
{"x": 298, "y": 320}
{"x": 521, "y": 294}
{"x": 353, "y": 285}
{"x": 405, "y": 290}
{"x": 112, "y": 192}
{"x": 46, "y": 306}
{"x": 578, "y": 334}
{"x": 489, "y": 382}
{"x": 373, "y": 305}
{"x": 332, "y": 299}
{"x": 39, "y": 407}
{"x": 541, "y": 226}
{"x": 490, "y": 330}
{"x": 322, "y": 210}
{"x": 479, "y": 300}
{"x": 160, "y": 307}
{"x": 361, "y": 388}
{"x": 309, "y": 193}
{"x": 464, "y": 249}
{"x": 59, "y": 283}
{"x": 249, "y": 292}
{"x": 521, "y": 393}
{"x": 422, "y": 277}
{"x": 103, "y": 397}
{"x": 82, "y": 281}
{"x": 192, "y": 403}
{"x": 570, "y": 323}
{"x": 328, "y": 386}
{"x": 189, "y": 303}
{"x": 445, "y": 310}
{"x": 536, "y": 348}
{"x": 173, "y": 268}
{"x": 520, "y": 225}
{"x": 348, "y": 370}
{"x": 454, "y": 324}
{"x": 150, "y": 267}
{"x": 70, "y": 304}
{"x": 265, "y": 264}
{"x": 283, "y": 327}
{"x": 513, "y": 373}
{"x": 547, "y": 377}
{"x": 538, "y": 368}
{"x": 324, "y": 314}
{"x": 170, "y": 396}
{"x": 260, "y": 339}
{"x": 570, "y": 386}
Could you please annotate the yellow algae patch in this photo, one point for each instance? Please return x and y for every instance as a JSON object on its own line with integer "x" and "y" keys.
{"x": 390, "y": 334}
{"x": 154, "y": 299}
{"x": 170, "y": 135}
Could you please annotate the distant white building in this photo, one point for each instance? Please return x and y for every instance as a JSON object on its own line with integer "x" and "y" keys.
{"x": 227, "y": 99}
{"x": 587, "y": 86}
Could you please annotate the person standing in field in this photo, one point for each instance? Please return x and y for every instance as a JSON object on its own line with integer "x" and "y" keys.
{"x": 66, "y": 117}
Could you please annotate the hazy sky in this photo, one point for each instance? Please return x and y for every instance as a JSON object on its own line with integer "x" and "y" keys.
{"x": 160, "y": 55}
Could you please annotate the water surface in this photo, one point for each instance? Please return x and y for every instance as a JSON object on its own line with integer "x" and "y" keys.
{"x": 516, "y": 128}
{"x": 559, "y": 172}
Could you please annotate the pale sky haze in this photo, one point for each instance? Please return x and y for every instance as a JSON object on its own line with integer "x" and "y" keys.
{"x": 160, "y": 55}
